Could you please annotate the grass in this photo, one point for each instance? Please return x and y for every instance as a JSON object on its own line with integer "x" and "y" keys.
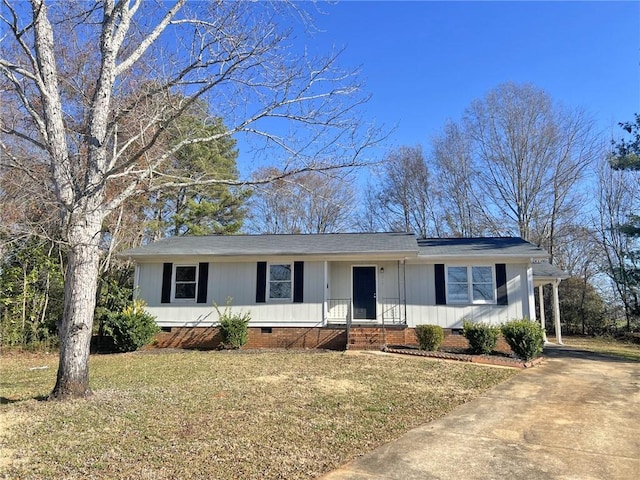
{"x": 221, "y": 415}
{"x": 605, "y": 345}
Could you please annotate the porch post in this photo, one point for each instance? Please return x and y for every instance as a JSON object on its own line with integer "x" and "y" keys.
{"x": 531, "y": 295}
{"x": 325, "y": 302}
{"x": 556, "y": 312}
{"x": 542, "y": 319}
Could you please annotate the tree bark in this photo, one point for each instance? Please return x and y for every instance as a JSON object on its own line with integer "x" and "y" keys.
{"x": 80, "y": 294}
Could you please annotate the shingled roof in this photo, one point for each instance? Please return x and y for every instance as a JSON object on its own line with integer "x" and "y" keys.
{"x": 476, "y": 247}
{"x": 262, "y": 245}
{"x": 360, "y": 244}
{"x": 545, "y": 270}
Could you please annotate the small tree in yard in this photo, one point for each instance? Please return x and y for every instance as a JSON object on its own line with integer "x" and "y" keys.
{"x": 93, "y": 90}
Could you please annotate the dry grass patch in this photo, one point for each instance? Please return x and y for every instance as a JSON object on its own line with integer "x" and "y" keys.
{"x": 222, "y": 414}
{"x": 606, "y": 346}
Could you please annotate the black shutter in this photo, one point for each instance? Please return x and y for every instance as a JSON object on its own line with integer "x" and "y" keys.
{"x": 261, "y": 282}
{"x": 441, "y": 295}
{"x": 203, "y": 280}
{"x": 501, "y": 283}
{"x": 298, "y": 282}
{"x": 167, "y": 271}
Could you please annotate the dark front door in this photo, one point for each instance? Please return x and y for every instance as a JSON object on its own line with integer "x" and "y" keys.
{"x": 364, "y": 293}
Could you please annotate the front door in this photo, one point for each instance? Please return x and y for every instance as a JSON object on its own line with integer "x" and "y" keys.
{"x": 364, "y": 293}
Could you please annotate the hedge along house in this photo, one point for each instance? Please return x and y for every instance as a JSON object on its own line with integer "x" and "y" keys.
{"x": 360, "y": 290}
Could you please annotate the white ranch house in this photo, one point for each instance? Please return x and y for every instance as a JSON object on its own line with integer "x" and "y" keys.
{"x": 316, "y": 287}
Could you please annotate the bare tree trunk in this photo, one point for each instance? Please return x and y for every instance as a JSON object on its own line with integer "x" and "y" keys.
{"x": 93, "y": 171}
{"x": 80, "y": 294}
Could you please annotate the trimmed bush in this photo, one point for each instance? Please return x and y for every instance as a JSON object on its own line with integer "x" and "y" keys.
{"x": 525, "y": 338}
{"x": 233, "y": 327}
{"x": 429, "y": 337}
{"x": 131, "y": 328}
{"x": 482, "y": 337}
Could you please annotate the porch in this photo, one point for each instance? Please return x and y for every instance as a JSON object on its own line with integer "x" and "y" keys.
{"x": 546, "y": 274}
{"x": 364, "y": 293}
{"x": 340, "y": 312}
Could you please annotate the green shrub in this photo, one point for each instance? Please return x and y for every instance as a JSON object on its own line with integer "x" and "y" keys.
{"x": 482, "y": 337}
{"x": 131, "y": 328}
{"x": 233, "y": 326}
{"x": 429, "y": 337}
{"x": 525, "y": 338}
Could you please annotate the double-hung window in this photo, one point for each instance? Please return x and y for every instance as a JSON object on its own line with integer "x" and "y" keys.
{"x": 470, "y": 284}
{"x": 186, "y": 282}
{"x": 280, "y": 281}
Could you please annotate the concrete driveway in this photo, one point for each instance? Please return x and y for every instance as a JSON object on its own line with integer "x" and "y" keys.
{"x": 576, "y": 416}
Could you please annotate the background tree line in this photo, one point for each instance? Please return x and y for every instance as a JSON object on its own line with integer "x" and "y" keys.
{"x": 515, "y": 164}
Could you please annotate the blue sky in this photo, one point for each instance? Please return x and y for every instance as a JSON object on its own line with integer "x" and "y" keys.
{"x": 424, "y": 62}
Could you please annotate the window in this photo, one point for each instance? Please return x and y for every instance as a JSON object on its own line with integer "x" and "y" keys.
{"x": 470, "y": 284}
{"x": 458, "y": 285}
{"x": 482, "y": 284}
{"x": 280, "y": 281}
{"x": 185, "y": 282}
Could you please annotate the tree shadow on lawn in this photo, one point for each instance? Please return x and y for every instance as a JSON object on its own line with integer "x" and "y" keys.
{"x": 8, "y": 401}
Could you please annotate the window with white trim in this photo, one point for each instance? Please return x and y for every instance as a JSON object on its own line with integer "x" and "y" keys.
{"x": 280, "y": 281}
{"x": 470, "y": 284}
{"x": 185, "y": 282}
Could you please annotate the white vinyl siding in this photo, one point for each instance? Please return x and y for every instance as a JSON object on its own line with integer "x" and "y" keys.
{"x": 422, "y": 308}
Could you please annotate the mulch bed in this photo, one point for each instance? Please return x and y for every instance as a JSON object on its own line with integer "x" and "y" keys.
{"x": 498, "y": 359}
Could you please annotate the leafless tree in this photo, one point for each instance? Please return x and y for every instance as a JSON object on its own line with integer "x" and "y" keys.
{"x": 406, "y": 197}
{"x": 463, "y": 206}
{"x": 368, "y": 217}
{"x": 94, "y": 86}
{"x": 530, "y": 156}
{"x": 310, "y": 202}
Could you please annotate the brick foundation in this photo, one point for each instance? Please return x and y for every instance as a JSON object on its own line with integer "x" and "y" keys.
{"x": 332, "y": 338}
{"x": 274, "y": 337}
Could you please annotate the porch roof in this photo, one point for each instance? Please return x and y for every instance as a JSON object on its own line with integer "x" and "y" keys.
{"x": 401, "y": 244}
{"x": 544, "y": 272}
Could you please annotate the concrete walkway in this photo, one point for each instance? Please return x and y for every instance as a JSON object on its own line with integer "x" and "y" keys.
{"x": 576, "y": 416}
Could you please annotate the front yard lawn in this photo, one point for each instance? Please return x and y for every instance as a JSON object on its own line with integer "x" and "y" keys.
{"x": 223, "y": 415}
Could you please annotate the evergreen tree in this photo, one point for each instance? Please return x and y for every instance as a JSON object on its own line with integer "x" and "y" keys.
{"x": 204, "y": 209}
{"x": 626, "y": 275}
